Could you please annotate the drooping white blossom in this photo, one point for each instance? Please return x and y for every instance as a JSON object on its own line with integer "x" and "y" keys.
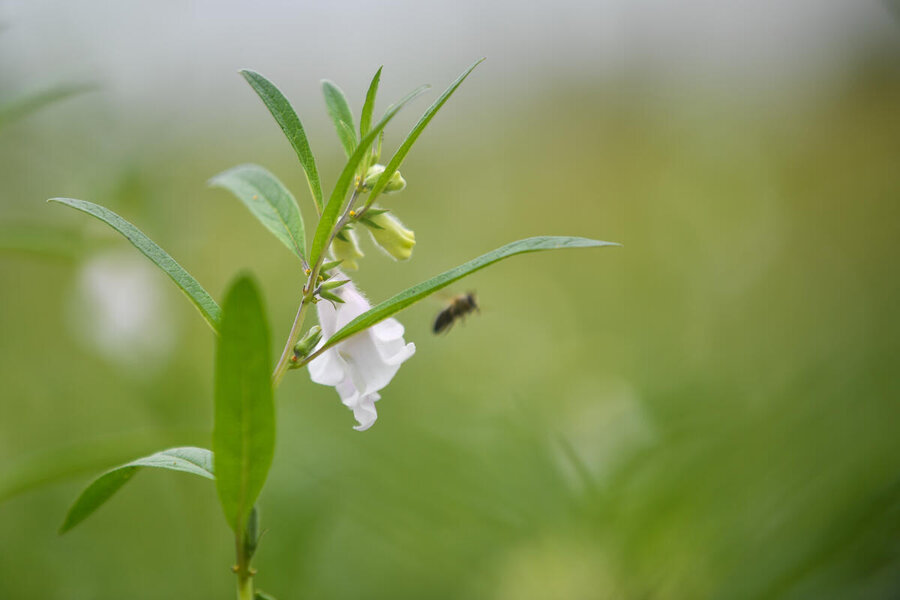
{"x": 362, "y": 365}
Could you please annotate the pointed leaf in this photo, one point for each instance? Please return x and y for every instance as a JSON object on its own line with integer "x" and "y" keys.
{"x": 269, "y": 201}
{"x": 350, "y": 134}
{"x": 405, "y": 147}
{"x": 331, "y": 297}
{"x": 73, "y": 460}
{"x": 417, "y": 292}
{"x": 365, "y": 118}
{"x": 290, "y": 124}
{"x": 330, "y": 285}
{"x": 244, "y": 424}
{"x": 188, "y": 459}
{"x": 336, "y": 199}
{"x": 192, "y": 289}
{"x": 339, "y": 111}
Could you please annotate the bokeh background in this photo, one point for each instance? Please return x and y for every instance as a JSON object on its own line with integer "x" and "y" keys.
{"x": 709, "y": 412}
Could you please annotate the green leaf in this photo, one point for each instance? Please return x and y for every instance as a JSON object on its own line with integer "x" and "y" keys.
{"x": 290, "y": 124}
{"x": 244, "y": 424}
{"x": 330, "y": 285}
{"x": 336, "y": 199}
{"x": 71, "y": 460}
{"x": 188, "y": 459}
{"x": 269, "y": 201}
{"x": 331, "y": 297}
{"x": 417, "y": 292}
{"x": 22, "y": 107}
{"x": 339, "y": 111}
{"x": 365, "y": 118}
{"x": 190, "y": 286}
{"x": 405, "y": 147}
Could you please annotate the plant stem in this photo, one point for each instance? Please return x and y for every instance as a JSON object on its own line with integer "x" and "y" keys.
{"x": 245, "y": 587}
{"x": 242, "y": 570}
{"x": 293, "y": 337}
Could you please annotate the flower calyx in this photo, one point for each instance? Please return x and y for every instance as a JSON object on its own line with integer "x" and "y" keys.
{"x": 326, "y": 268}
{"x": 305, "y": 346}
{"x": 325, "y": 292}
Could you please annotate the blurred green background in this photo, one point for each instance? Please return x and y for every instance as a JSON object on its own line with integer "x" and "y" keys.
{"x": 709, "y": 412}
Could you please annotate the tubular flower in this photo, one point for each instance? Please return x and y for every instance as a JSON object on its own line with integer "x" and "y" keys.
{"x": 391, "y": 236}
{"x": 363, "y": 364}
{"x": 347, "y": 251}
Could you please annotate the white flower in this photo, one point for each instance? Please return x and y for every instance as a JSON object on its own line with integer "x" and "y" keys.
{"x": 363, "y": 364}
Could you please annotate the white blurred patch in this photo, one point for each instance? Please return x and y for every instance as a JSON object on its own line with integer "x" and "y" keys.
{"x": 118, "y": 310}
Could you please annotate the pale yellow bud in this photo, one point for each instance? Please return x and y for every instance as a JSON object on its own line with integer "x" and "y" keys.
{"x": 390, "y": 234}
{"x": 347, "y": 251}
{"x": 395, "y": 184}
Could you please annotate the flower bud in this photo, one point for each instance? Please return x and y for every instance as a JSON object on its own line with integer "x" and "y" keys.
{"x": 395, "y": 184}
{"x": 346, "y": 250}
{"x": 309, "y": 341}
{"x": 391, "y": 236}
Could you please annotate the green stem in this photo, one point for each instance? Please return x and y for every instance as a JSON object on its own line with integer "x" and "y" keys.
{"x": 293, "y": 337}
{"x": 243, "y": 571}
{"x": 244, "y": 546}
{"x": 245, "y": 587}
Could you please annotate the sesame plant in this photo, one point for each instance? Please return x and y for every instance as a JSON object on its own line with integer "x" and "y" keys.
{"x": 355, "y": 347}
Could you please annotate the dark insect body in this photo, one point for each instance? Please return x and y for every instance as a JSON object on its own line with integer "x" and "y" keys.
{"x": 458, "y": 307}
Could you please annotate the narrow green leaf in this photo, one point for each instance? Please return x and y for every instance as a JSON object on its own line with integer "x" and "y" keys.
{"x": 290, "y": 124}
{"x": 192, "y": 289}
{"x": 350, "y": 134}
{"x": 405, "y": 147}
{"x": 73, "y": 460}
{"x": 376, "y": 154}
{"x": 336, "y": 200}
{"x": 244, "y": 424}
{"x": 331, "y": 297}
{"x": 188, "y": 459}
{"x": 22, "y": 107}
{"x": 417, "y": 292}
{"x": 365, "y": 118}
{"x": 330, "y": 285}
{"x": 339, "y": 111}
{"x": 269, "y": 201}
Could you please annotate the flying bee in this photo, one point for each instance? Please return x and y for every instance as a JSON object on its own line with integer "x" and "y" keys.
{"x": 458, "y": 308}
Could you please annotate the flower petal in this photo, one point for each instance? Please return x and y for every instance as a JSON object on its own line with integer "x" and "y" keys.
{"x": 370, "y": 364}
{"x": 363, "y": 406}
{"x": 328, "y": 369}
{"x": 387, "y": 330}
